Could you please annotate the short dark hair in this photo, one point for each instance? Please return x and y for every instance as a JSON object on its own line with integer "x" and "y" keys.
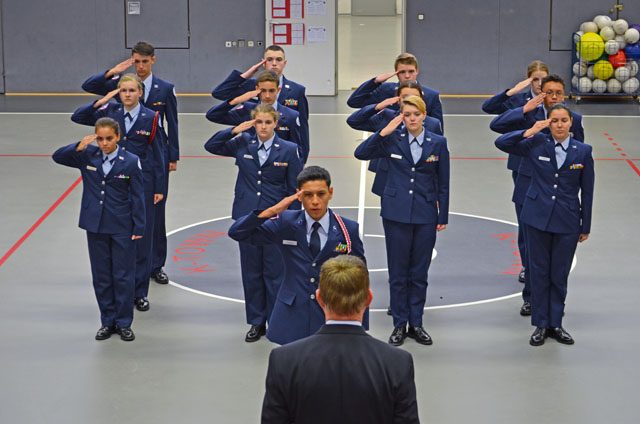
{"x": 268, "y": 76}
{"x": 552, "y": 78}
{"x": 274, "y": 48}
{"x": 559, "y": 106}
{"x": 410, "y": 84}
{"x": 108, "y": 123}
{"x": 143, "y": 48}
{"x": 313, "y": 173}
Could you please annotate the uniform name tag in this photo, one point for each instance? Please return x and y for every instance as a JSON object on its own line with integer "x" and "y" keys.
{"x": 248, "y": 157}
{"x": 91, "y": 168}
{"x": 544, "y": 158}
{"x": 290, "y": 242}
{"x": 393, "y": 155}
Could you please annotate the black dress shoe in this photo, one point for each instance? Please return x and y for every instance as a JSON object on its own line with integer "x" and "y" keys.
{"x": 525, "y": 310}
{"x": 398, "y": 335}
{"x": 521, "y": 276}
{"x": 142, "y": 304}
{"x": 160, "y": 277}
{"x": 561, "y": 335}
{"x": 105, "y": 332}
{"x": 538, "y": 336}
{"x": 126, "y": 334}
{"x": 419, "y": 335}
{"x": 255, "y": 332}
{"x": 389, "y": 311}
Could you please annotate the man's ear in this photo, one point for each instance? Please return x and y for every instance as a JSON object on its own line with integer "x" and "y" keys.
{"x": 319, "y": 299}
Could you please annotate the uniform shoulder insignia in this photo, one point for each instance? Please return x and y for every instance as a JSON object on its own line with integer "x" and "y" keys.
{"x": 104, "y": 106}
{"x": 174, "y": 91}
{"x": 298, "y": 121}
{"x": 139, "y": 166}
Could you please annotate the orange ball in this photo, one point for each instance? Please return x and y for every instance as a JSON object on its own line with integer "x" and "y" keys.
{"x": 619, "y": 59}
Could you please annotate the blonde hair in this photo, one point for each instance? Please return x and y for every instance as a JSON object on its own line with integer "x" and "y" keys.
{"x": 268, "y": 109}
{"x": 131, "y": 77}
{"x": 414, "y": 101}
{"x": 344, "y": 284}
{"x": 537, "y": 65}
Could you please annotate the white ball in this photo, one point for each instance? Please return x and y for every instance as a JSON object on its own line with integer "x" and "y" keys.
{"x": 584, "y": 85}
{"x": 602, "y": 21}
{"x": 631, "y": 86}
{"x": 611, "y": 47}
{"x": 599, "y": 86}
{"x": 631, "y": 36}
{"x": 580, "y": 69}
{"x": 622, "y": 73}
{"x": 589, "y": 27}
{"x": 574, "y": 81}
{"x": 607, "y": 33}
{"x": 621, "y": 43}
{"x": 632, "y": 66}
{"x": 614, "y": 86}
{"x": 590, "y": 72}
{"x": 620, "y": 26}
{"x": 577, "y": 35}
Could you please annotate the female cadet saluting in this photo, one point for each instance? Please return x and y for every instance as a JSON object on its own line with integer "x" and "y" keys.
{"x": 267, "y": 171}
{"x": 142, "y": 138}
{"x": 415, "y": 204}
{"x": 555, "y": 218}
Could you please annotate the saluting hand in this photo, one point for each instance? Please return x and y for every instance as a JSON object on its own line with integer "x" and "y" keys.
{"x": 243, "y": 127}
{"x": 120, "y": 68}
{"x": 251, "y": 71}
{"x": 387, "y": 102}
{"x": 245, "y": 97}
{"x": 281, "y": 206}
{"x": 86, "y": 140}
{"x": 519, "y": 87}
{"x": 383, "y": 77}
{"x": 391, "y": 126}
{"x": 534, "y": 103}
{"x": 110, "y": 95}
{"x": 536, "y": 128}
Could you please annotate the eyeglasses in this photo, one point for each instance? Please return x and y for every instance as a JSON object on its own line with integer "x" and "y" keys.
{"x": 554, "y": 93}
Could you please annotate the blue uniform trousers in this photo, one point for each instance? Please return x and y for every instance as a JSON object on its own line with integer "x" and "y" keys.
{"x": 112, "y": 259}
{"x": 159, "y": 226}
{"x": 409, "y": 249}
{"x": 550, "y": 257}
{"x": 144, "y": 246}
{"x": 522, "y": 236}
{"x": 262, "y": 270}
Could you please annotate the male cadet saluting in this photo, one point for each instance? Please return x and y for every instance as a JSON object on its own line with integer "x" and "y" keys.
{"x": 113, "y": 214}
{"x": 306, "y": 239}
{"x": 160, "y": 96}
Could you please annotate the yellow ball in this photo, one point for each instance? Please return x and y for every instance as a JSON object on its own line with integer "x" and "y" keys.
{"x": 603, "y": 70}
{"x": 590, "y": 46}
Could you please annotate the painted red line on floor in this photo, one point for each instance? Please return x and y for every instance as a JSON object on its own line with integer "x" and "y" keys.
{"x": 610, "y": 138}
{"x": 619, "y": 149}
{"x": 40, "y": 220}
{"x": 623, "y": 154}
{"x": 606, "y": 133}
{"x": 633, "y": 166}
{"x": 614, "y": 144}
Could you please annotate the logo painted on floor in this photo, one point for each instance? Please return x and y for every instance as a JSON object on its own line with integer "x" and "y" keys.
{"x": 477, "y": 260}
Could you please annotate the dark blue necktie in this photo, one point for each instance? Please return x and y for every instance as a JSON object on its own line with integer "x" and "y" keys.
{"x": 314, "y": 240}
{"x": 561, "y": 146}
{"x": 128, "y": 115}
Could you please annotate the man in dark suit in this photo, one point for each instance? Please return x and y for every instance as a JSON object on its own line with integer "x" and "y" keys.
{"x": 340, "y": 374}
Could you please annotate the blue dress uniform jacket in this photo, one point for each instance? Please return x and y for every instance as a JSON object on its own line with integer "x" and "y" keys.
{"x": 370, "y": 92}
{"x": 552, "y": 202}
{"x": 412, "y": 190}
{"x": 111, "y": 204}
{"x": 162, "y": 99}
{"x": 288, "y": 127}
{"x": 501, "y": 103}
{"x": 135, "y": 141}
{"x": 258, "y": 187}
{"x": 296, "y": 313}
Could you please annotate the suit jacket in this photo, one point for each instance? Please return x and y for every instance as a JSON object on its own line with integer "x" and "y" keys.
{"x": 288, "y": 127}
{"x": 371, "y": 92}
{"x": 296, "y": 314}
{"x": 111, "y": 204}
{"x": 340, "y": 375}
{"x": 552, "y": 202}
{"x": 162, "y": 98}
{"x": 414, "y": 193}
{"x": 501, "y": 103}
{"x": 135, "y": 141}
{"x": 258, "y": 187}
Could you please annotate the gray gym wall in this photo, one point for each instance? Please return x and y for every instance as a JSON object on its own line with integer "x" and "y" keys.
{"x": 464, "y": 46}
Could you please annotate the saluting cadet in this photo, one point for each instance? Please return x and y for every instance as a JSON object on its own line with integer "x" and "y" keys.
{"x": 238, "y": 110}
{"x": 113, "y": 215}
{"x": 292, "y": 94}
{"x": 415, "y": 204}
{"x": 556, "y": 218}
{"x": 376, "y": 89}
{"x": 267, "y": 171}
{"x": 160, "y": 96}
{"x": 306, "y": 239}
{"x": 510, "y": 99}
{"x": 141, "y": 137}
{"x": 522, "y": 118}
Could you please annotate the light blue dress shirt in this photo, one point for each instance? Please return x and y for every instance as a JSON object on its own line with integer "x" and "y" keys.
{"x": 416, "y": 148}
{"x": 323, "y": 231}
{"x": 263, "y": 153}
{"x": 561, "y": 154}
{"x": 147, "y": 87}
{"x": 128, "y": 123}
{"x": 107, "y": 161}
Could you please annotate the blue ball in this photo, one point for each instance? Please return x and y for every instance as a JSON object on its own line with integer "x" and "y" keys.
{"x": 632, "y": 51}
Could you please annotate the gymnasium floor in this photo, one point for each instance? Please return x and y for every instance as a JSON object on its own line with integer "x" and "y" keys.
{"x": 189, "y": 362}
